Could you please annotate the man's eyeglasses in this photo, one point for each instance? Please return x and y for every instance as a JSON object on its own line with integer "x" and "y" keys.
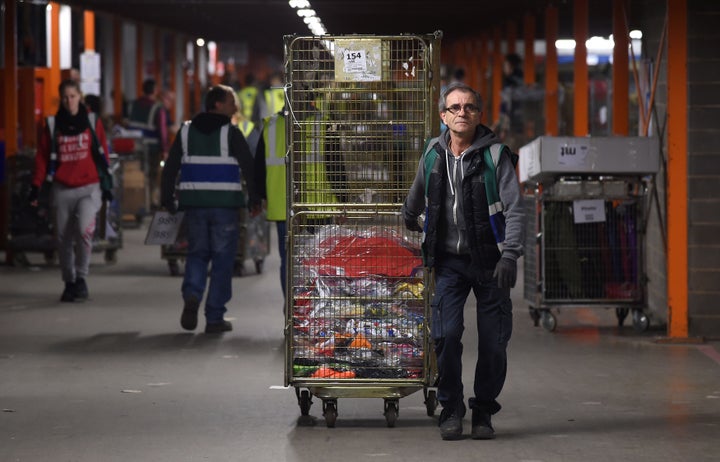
{"x": 468, "y": 108}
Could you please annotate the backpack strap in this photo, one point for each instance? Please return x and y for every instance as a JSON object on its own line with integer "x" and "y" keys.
{"x": 429, "y": 157}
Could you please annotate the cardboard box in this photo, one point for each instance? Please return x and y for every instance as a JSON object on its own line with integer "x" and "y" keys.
{"x": 548, "y": 157}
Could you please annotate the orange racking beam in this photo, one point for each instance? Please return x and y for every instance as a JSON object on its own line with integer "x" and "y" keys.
{"x": 497, "y": 74}
{"x": 551, "y": 71}
{"x": 580, "y": 68}
{"x": 677, "y": 169}
{"x": 620, "y": 72}
{"x": 529, "y": 58}
{"x": 139, "y": 59}
{"x": 117, "y": 70}
{"x": 89, "y": 30}
{"x": 511, "y": 32}
{"x": 55, "y": 74}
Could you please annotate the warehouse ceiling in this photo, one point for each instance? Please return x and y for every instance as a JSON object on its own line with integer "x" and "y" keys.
{"x": 263, "y": 23}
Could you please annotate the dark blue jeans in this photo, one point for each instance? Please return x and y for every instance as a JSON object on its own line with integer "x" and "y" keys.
{"x": 454, "y": 278}
{"x": 212, "y": 235}
{"x": 282, "y": 234}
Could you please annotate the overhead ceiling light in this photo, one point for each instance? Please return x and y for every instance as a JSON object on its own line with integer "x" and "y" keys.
{"x": 299, "y": 3}
{"x": 305, "y": 12}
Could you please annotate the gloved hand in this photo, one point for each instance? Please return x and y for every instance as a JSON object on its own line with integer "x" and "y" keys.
{"x": 506, "y": 273}
{"x": 170, "y": 206}
{"x": 107, "y": 196}
{"x": 413, "y": 225}
{"x": 33, "y": 196}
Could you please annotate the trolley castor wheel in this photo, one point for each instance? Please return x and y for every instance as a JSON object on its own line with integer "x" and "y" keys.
{"x": 392, "y": 409}
{"x": 548, "y": 321}
{"x": 49, "y": 257}
{"x": 305, "y": 401}
{"x": 535, "y": 316}
{"x": 330, "y": 412}
{"x": 173, "y": 267}
{"x": 111, "y": 256}
{"x": 431, "y": 402}
{"x": 239, "y": 269}
{"x": 621, "y": 314}
{"x": 641, "y": 322}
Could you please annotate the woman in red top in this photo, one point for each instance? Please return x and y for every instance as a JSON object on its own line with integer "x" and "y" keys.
{"x": 70, "y": 171}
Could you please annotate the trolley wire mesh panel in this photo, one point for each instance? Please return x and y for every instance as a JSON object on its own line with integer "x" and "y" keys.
{"x": 357, "y": 305}
{"x": 577, "y": 260}
{"x": 359, "y": 107}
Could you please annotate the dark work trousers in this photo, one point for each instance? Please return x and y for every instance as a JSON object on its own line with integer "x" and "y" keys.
{"x": 454, "y": 277}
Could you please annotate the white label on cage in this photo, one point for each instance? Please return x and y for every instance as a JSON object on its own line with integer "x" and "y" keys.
{"x": 358, "y": 60}
{"x": 589, "y": 211}
{"x": 354, "y": 61}
{"x": 572, "y": 155}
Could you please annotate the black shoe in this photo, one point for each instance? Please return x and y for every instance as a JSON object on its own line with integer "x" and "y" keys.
{"x": 81, "y": 289}
{"x": 68, "y": 294}
{"x": 450, "y": 425}
{"x": 481, "y": 426}
{"x": 218, "y": 328}
{"x": 189, "y": 317}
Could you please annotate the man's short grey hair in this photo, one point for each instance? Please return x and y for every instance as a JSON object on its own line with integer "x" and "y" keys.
{"x": 458, "y": 86}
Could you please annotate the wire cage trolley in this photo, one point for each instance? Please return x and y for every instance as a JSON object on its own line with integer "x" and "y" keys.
{"x": 585, "y": 225}
{"x": 357, "y": 305}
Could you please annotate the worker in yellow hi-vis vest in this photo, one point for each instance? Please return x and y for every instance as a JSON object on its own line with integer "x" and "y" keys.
{"x": 315, "y": 189}
{"x": 252, "y": 101}
{"x": 276, "y": 184}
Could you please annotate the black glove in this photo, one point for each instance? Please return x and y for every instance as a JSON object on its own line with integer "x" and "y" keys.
{"x": 413, "y": 225}
{"x": 506, "y": 273}
{"x": 33, "y": 195}
{"x": 107, "y": 196}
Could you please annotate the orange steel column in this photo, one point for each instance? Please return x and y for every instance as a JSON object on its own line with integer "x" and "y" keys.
{"x": 118, "y": 90}
{"x": 497, "y": 63}
{"x": 89, "y": 30}
{"x": 511, "y": 33}
{"x": 529, "y": 58}
{"x": 580, "y": 68}
{"x": 551, "y": 71}
{"x": 158, "y": 61}
{"x": 482, "y": 77}
{"x": 620, "y": 72}
{"x": 54, "y": 80}
{"x": 139, "y": 59}
{"x": 677, "y": 170}
{"x": 197, "y": 93}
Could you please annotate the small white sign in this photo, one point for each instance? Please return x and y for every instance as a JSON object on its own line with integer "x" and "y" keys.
{"x": 572, "y": 155}
{"x": 354, "y": 61}
{"x": 589, "y": 211}
{"x": 164, "y": 228}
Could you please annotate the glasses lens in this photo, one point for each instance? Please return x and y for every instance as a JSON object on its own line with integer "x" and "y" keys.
{"x": 468, "y": 108}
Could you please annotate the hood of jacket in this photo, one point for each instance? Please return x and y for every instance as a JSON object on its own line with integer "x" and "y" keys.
{"x": 208, "y": 122}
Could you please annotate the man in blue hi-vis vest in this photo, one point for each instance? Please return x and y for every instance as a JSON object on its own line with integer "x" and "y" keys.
{"x": 467, "y": 188}
{"x": 206, "y": 164}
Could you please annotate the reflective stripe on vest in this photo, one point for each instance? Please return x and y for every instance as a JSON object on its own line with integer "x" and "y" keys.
{"x": 252, "y": 136}
{"x": 208, "y": 172}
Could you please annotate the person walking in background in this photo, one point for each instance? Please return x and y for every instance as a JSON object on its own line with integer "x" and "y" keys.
{"x": 71, "y": 165}
{"x": 204, "y": 168}
{"x": 466, "y": 186}
{"x": 276, "y": 191}
{"x": 148, "y": 115}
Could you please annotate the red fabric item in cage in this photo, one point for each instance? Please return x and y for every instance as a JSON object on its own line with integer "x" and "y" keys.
{"x": 365, "y": 256}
